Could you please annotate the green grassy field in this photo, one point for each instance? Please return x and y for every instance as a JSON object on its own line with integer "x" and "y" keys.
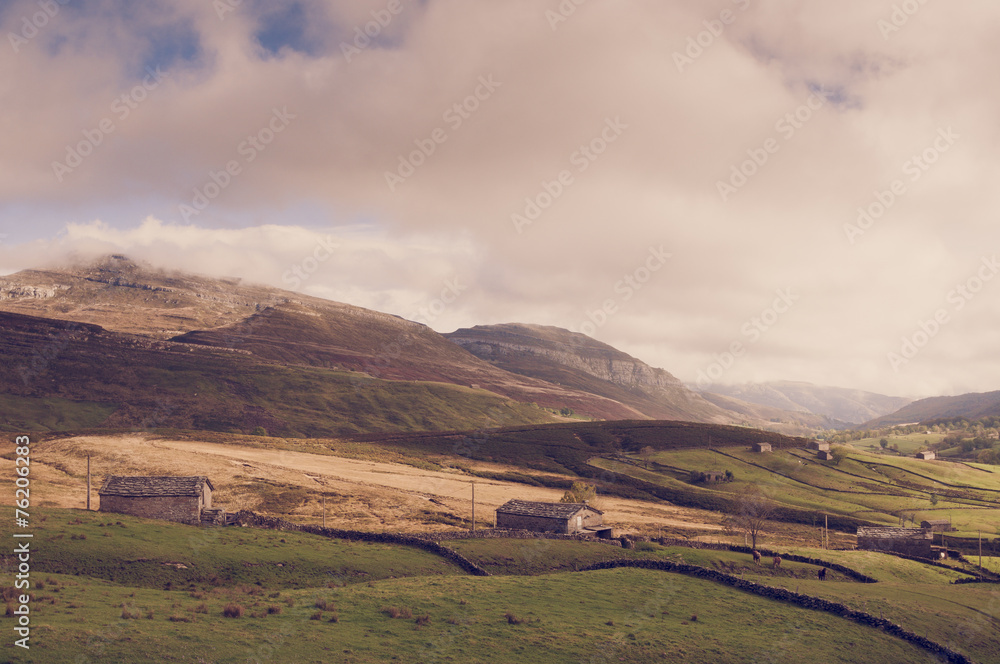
{"x": 876, "y": 488}
{"x": 367, "y": 603}
{"x": 160, "y": 554}
{"x": 569, "y": 617}
{"x": 908, "y": 443}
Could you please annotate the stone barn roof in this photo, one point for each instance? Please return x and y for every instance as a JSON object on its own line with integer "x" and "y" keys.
{"x": 143, "y": 487}
{"x": 886, "y": 532}
{"x": 545, "y": 510}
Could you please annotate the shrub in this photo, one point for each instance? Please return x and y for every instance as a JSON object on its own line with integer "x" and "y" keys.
{"x": 423, "y": 620}
{"x": 316, "y": 616}
{"x": 324, "y": 605}
{"x": 130, "y": 613}
{"x": 397, "y": 612}
{"x": 335, "y": 618}
{"x": 232, "y": 610}
{"x": 513, "y": 619}
{"x": 201, "y": 608}
{"x": 273, "y": 609}
{"x": 178, "y": 618}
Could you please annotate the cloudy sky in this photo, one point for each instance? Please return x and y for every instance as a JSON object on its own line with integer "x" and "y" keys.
{"x": 741, "y": 190}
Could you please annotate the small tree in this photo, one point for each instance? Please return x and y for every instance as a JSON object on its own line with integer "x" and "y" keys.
{"x": 751, "y": 511}
{"x": 884, "y": 443}
{"x": 839, "y": 453}
{"x": 579, "y": 492}
{"x": 646, "y": 454}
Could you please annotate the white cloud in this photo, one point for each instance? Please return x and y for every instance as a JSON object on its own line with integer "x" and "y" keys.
{"x": 656, "y": 184}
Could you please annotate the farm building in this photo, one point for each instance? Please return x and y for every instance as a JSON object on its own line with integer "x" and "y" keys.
{"x": 825, "y": 455}
{"x": 926, "y": 456}
{"x": 564, "y": 518}
{"x": 937, "y": 525}
{"x": 183, "y": 499}
{"x": 818, "y": 445}
{"x": 909, "y": 541}
{"x": 761, "y": 447}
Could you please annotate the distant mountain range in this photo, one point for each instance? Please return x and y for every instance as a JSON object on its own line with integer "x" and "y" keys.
{"x": 101, "y": 344}
{"x": 840, "y": 405}
{"x": 973, "y": 406}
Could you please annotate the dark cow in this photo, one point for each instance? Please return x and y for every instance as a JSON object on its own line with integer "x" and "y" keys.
{"x": 756, "y": 556}
{"x": 821, "y": 574}
{"x": 776, "y": 562}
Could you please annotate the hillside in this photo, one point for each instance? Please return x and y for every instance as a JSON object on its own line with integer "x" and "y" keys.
{"x": 840, "y": 406}
{"x": 270, "y": 324}
{"x": 576, "y": 361}
{"x": 59, "y": 375}
{"x": 972, "y": 406}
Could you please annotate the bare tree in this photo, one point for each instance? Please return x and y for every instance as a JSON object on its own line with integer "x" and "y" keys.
{"x": 751, "y": 511}
{"x": 646, "y": 454}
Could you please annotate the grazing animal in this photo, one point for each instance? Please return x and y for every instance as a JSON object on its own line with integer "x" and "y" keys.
{"x": 776, "y": 562}
{"x": 756, "y": 556}
{"x": 821, "y": 574}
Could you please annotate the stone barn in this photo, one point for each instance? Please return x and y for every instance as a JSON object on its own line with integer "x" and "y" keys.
{"x": 183, "y": 499}
{"x": 818, "y": 445}
{"x": 761, "y": 447}
{"x": 824, "y": 455}
{"x": 909, "y": 541}
{"x": 937, "y": 525}
{"x": 926, "y": 456}
{"x": 563, "y": 518}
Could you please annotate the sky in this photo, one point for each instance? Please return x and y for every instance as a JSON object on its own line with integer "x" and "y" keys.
{"x": 732, "y": 190}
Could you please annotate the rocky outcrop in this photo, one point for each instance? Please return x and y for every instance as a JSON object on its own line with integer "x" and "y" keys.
{"x": 575, "y": 360}
{"x": 10, "y": 291}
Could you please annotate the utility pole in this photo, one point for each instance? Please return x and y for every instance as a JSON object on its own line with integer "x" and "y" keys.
{"x": 324, "y": 510}
{"x": 473, "y": 505}
{"x": 980, "y": 551}
{"x": 826, "y": 530}
{"x": 88, "y": 482}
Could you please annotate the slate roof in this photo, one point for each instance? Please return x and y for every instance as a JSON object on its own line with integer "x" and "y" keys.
{"x": 139, "y": 486}
{"x": 544, "y": 510}
{"x": 893, "y": 533}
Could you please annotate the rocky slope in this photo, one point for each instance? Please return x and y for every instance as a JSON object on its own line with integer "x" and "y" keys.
{"x": 577, "y": 361}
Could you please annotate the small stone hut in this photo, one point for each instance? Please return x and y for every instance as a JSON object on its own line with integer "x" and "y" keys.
{"x": 909, "y": 541}
{"x": 182, "y": 499}
{"x": 818, "y": 445}
{"x": 937, "y": 525}
{"x": 825, "y": 455}
{"x": 563, "y": 518}
{"x": 761, "y": 447}
{"x": 926, "y": 456}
